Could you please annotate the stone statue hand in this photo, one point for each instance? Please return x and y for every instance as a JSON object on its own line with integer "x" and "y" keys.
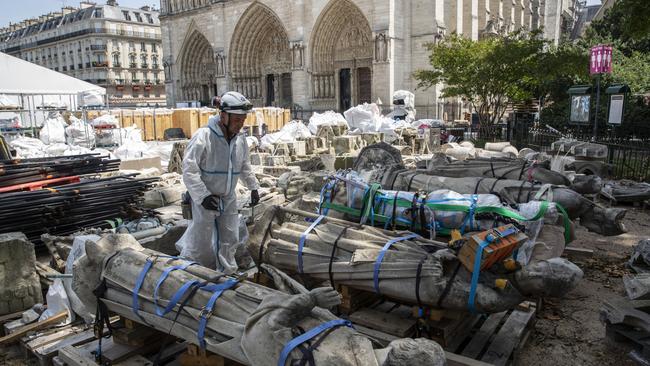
{"x": 325, "y": 297}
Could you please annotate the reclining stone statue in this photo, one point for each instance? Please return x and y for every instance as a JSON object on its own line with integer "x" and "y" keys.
{"x": 601, "y": 220}
{"x": 381, "y": 163}
{"x": 239, "y": 320}
{"x": 402, "y": 266}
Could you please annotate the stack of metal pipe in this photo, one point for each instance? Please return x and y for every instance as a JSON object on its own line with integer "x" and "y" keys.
{"x": 21, "y": 171}
{"x": 93, "y": 203}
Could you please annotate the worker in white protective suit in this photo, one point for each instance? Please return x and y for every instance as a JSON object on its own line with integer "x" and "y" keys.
{"x": 215, "y": 159}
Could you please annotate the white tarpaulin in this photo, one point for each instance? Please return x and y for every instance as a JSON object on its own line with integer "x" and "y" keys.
{"x": 22, "y": 77}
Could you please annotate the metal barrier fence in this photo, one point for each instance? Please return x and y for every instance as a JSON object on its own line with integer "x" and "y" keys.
{"x": 629, "y": 157}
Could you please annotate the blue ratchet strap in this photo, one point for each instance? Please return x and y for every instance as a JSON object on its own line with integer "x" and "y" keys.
{"x": 303, "y": 238}
{"x": 309, "y": 335}
{"x": 206, "y": 312}
{"x": 477, "y": 271}
{"x": 162, "y": 279}
{"x": 140, "y": 281}
{"x": 470, "y": 214}
{"x": 381, "y": 255}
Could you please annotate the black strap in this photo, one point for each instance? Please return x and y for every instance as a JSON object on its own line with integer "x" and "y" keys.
{"x": 267, "y": 233}
{"x": 450, "y": 283}
{"x": 334, "y": 247}
{"x": 397, "y": 174}
{"x": 408, "y": 189}
{"x": 392, "y": 218}
{"x": 414, "y": 213}
{"x": 418, "y": 279}
{"x": 519, "y": 193}
{"x": 492, "y": 169}
{"x": 423, "y": 219}
{"x": 521, "y": 172}
{"x": 168, "y": 338}
{"x": 478, "y": 183}
{"x": 494, "y": 185}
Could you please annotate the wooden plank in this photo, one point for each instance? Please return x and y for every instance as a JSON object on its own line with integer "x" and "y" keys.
{"x": 47, "y": 352}
{"x": 481, "y": 338}
{"x": 508, "y": 337}
{"x": 385, "y": 322}
{"x": 458, "y": 360}
{"x": 44, "y": 339}
{"x": 72, "y": 357}
{"x": 459, "y": 335}
{"x": 382, "y": 338}
{"x": 137, "y": 360}
{"x": 20, "y": 332}
{"x": 578, "y": 254}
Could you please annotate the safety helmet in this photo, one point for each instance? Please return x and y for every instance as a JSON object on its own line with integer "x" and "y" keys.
{"x": 235, "y": 103}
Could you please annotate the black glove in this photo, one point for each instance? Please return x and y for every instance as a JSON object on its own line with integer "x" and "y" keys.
{"x": 255, "y": 197}
{"x": 212, "y": 203}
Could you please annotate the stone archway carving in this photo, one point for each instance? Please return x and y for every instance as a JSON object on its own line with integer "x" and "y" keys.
{"x": 198, "y": 67}
{"x": 342, "y": 40}
{"x": 260, "y": 58}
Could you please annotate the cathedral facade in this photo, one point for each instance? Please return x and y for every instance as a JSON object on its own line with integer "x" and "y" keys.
{"x": 322, "y": 54}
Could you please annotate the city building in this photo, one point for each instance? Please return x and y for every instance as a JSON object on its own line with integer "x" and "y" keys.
{"x": 112, "y": 46}
{"x": 330, "y": 54}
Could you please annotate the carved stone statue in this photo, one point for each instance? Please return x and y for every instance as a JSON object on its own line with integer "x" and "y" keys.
{"x": 414, "y": 270}
{"x": 242, "y": 321}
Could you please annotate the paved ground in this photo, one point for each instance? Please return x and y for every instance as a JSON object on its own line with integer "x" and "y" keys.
{"x": 569, "y": 331}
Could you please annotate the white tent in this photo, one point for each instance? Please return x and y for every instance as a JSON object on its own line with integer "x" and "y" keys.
{"x": 22, "y": 77}
{"x": 35, "y": 90}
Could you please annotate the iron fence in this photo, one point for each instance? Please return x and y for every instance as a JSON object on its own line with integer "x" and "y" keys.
{"x": 628, "y": 156}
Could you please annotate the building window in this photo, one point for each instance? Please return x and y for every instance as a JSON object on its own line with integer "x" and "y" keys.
{"x": 131, "y": 47}
{"x": 134, "y": 77}
{"x": 116, "y": 60}
{"x": 142, "y": 47}
{"x": 132, "y": 61}
{"x": 126, "y": 15}
{"x": 138, "y": 17}
{"x": 154, "y": 62}
{"x": 154, "y": 48}
{"x": 149, "y": 18}
{"x": 143, "y": 61}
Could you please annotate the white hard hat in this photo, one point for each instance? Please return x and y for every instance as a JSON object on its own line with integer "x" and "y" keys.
{"x": 236, "y": 103}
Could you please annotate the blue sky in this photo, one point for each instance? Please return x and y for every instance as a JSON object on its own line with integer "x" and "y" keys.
{"x": 17, "y": 10}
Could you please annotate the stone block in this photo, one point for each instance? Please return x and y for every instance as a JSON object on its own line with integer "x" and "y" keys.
{"x": 20, "y": 287}
{"x": 279, "y": 160}
{"x": 347, "y": 144}
{"x": 297, "y": 148}
{"x": 277, "y": 171}
{"x": 258, "y": 158}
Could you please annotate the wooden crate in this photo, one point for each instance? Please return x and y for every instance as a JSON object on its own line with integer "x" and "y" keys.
{"x": 186, "y": 119}
{"x": 127, "y": 119}
{"x": 163, "y": 122}
{"x": 205, "y": 115}
{"x": 500, "y": 247}
{"x": 149, "y": 131}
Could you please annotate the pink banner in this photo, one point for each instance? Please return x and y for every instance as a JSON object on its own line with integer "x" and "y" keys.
{"x": 600, "y": 61}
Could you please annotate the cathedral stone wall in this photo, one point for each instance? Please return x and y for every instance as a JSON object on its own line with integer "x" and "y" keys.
{"x": 320, "y": 54}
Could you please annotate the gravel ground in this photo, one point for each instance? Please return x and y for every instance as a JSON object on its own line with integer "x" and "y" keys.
{"x": 568, "y": 331}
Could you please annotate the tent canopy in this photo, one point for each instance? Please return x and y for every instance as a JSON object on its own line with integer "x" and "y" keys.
{"x": 21, "y": 77}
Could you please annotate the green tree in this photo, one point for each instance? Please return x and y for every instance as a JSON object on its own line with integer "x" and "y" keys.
{"x": 493, "y": 73}
{"x": 627, "y": 23}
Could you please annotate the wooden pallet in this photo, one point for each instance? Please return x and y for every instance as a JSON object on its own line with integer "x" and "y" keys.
{"x": 498, "y": 338}
{"x": 495, "y": 339}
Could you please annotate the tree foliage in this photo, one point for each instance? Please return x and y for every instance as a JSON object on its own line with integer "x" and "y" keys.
{"x": 627, "y": 24}
{"x": 493, "y": 73}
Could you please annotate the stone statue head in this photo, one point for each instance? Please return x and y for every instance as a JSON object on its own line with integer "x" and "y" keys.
{"x": 415, "y": 352}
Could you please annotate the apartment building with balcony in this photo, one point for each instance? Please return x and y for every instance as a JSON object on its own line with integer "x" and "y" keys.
{"x": 115, "y": 47}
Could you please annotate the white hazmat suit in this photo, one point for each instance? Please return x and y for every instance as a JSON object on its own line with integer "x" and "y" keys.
{"x": 212, "y": 166}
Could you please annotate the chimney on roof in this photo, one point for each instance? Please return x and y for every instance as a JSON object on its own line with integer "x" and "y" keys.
{"x": 145, "y": 8}
{"x": 86, "y": 4}
{"x": 112, "y": 3}
{"x": 67, "y": 10}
